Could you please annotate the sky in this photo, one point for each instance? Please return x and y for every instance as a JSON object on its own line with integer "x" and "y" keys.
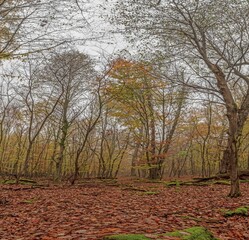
{"x": 105, "y": 42}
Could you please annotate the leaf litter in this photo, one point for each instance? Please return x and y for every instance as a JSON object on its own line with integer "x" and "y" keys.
{"x": 92, "y": 211}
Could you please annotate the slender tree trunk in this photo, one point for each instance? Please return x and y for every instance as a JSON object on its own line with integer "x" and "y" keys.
{"x": 154, "y": 172}
{"x": 248, "y": 161}
{"x": 62, "y": 146}
{"x": 168, "y": 139}
{"x": 27, "y": 160}
{"x": 134, "y": 160}
{"x": 76, "y": 168}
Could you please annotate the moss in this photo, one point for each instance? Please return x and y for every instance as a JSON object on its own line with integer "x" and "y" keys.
{"x": 174, "y": 234}
{"x": 29, "y": 201}
{"x": 127, "y": 237}
{"x": 10, "y": 181}
{"x": 150, "y": 193}
{"x": 194, "y": 233}
{"x": 244, "y": 180}
{"x": 20, "y": 181}
{"x": 196, "y": 183}
{"x": 173, "y": 183}
{"x": 222, "y": 182}
{"x": 241, "y": 211}
{"x": 186, "y": 183}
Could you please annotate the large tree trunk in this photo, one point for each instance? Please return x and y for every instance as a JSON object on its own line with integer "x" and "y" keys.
{"x": 225, "y": 165}
{"x": 154, "y": 173}
{"x": 235, "y": 189}
{"x": 236, "y": 121}
{"x": 235, "y": 132}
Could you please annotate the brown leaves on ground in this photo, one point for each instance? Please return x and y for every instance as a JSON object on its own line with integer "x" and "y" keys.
{"x": 91, "y": 211}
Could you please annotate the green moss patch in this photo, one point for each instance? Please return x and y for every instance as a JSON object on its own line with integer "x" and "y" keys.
{"x": 175, "y": 183}
{"x": 20, "y": 181}
{"x": 11, "y": 181}
{"x": 187, "y": 183}
{"x": 196, "y": 183}
{"x": 241, "y": 211}
{"x": 127, "y": 237}
{"x": 222, "y": 182}
{"x": 150, "y": 193}
{"x": 194, "y": 233}
{"x": 29, "y": 201}
{"x": 244, "y": 180}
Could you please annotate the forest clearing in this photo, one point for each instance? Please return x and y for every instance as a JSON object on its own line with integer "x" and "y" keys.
{"x": 124, "y": 119}
{"x": 96, "y": 209}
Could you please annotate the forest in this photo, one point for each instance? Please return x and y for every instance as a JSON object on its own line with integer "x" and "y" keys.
{"x": 124, "y": 117}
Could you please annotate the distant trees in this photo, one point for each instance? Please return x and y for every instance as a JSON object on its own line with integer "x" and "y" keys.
{"x": 63, "y": 120}
{"x": 171, "y": 110}
{"x": 52, "y": 90}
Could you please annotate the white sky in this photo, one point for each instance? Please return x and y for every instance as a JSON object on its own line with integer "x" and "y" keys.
{"x": 106, "y": 42}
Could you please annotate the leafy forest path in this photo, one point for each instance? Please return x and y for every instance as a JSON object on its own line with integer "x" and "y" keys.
{"x": 93, "y": 210}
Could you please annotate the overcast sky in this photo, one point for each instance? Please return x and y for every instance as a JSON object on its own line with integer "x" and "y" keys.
{"x": 105, "y": 42}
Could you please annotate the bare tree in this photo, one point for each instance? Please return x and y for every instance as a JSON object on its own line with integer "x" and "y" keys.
{"x": 29, "y": 26}
{"x": 85, "y": 125}
{"x": 38, "y": 106}
{"x": 71, "y": 75}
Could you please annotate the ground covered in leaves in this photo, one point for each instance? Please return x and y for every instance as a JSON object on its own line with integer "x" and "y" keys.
{"x": 92, "y": 210}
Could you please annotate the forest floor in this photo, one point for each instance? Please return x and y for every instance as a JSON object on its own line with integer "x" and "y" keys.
{"x": 92, "y": 210}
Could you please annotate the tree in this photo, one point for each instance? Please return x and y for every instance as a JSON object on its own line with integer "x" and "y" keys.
{"x": 141, "y": 101}
{"x": 210, "y": 41}
{"x": 86, "y": 125}
{"x": 111, "y": 143}
{"x": 37, "y": 106}
{"x": 29, "y": 26}
{"x": 6, "y": 118}
{"x": 71, "y": 75}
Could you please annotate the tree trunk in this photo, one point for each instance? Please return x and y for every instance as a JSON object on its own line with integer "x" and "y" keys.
{"x": 235, "y": 132}
{"x": 76, "y": 169}
{"x": 236, "y": 119}
{"x": 154, "y": 173}
{"x": 134, "y": 160}
{"x": 27, "y": 160}
{"x": 62, "y": 145}
{"x": 248, "y": 160}
{"x": 234, "y": 176}
{"x": 225, "y": 165}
